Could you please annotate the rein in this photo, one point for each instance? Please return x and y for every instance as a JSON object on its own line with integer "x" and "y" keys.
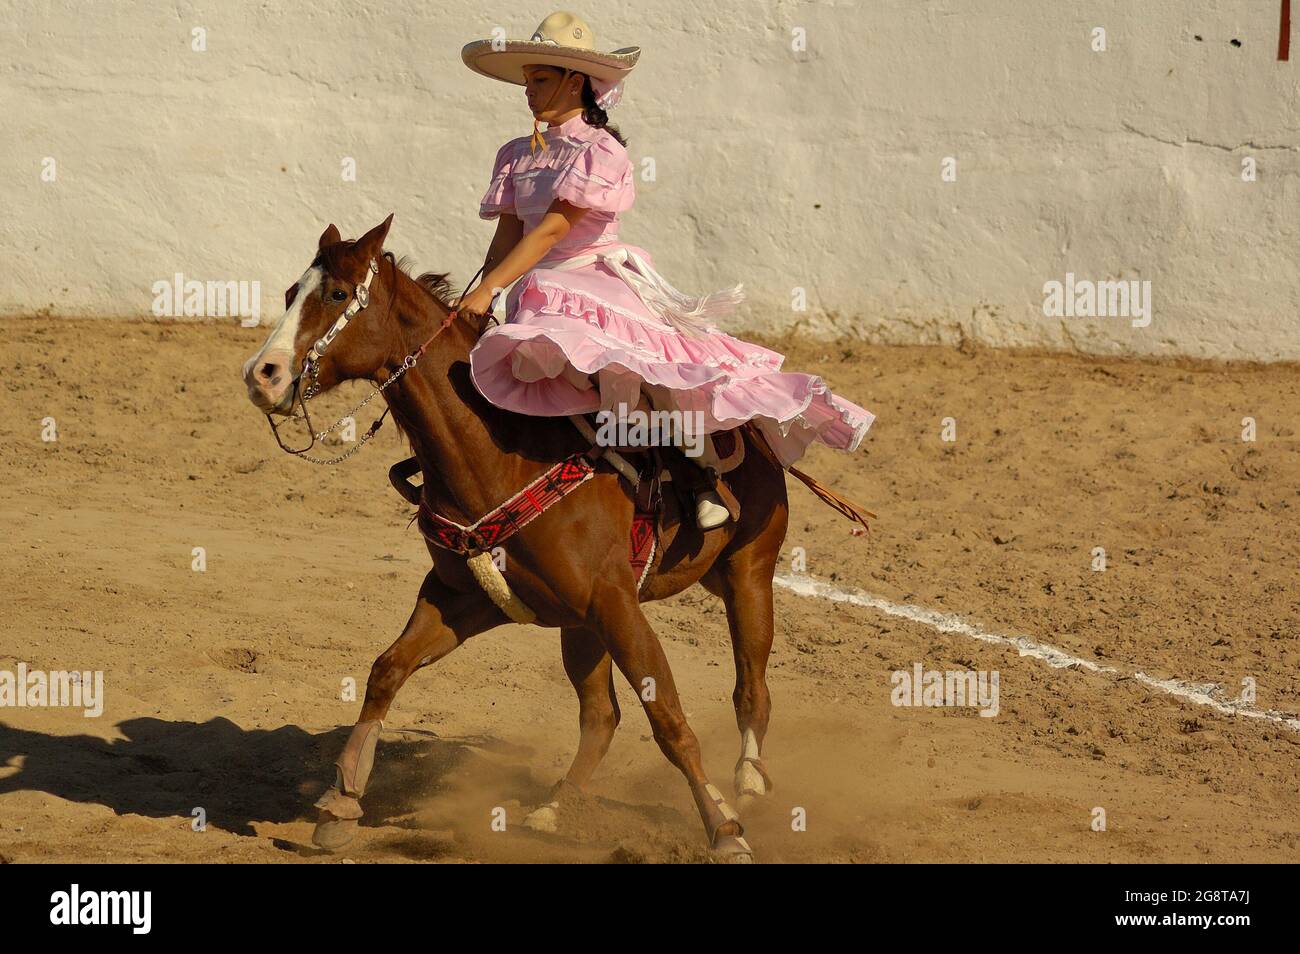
{"x": 360, "y": 301}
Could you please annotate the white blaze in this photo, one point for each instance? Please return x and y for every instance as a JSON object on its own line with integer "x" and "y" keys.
{"x": 286, "y": 329}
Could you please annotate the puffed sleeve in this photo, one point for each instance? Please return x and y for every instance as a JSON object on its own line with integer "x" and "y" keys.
{"x": 600, "y": 177}
{"x": 500, "y": 195}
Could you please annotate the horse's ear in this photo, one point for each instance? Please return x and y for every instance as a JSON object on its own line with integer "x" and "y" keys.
{"x": 330, "y": 237}
{"x": 372, "y": 243}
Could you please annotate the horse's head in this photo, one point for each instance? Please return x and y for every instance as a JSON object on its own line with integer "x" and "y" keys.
{"x": 339, "y": 278}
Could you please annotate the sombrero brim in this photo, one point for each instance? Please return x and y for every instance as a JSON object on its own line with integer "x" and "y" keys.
{"x": 508, "y": 62}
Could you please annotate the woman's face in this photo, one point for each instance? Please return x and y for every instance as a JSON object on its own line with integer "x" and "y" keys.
{"x": 551, "y": 94}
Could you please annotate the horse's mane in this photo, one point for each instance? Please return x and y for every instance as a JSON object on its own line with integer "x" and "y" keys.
{"x": 437, "y": 284}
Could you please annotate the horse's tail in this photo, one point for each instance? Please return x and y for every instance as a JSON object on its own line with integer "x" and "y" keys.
{"x": 826, "y": 495}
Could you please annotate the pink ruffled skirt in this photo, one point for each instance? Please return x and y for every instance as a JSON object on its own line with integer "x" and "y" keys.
{"x": 565, "y": 325}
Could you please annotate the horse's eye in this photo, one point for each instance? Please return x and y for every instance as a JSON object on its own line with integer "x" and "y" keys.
{"x": 339, "y": 294}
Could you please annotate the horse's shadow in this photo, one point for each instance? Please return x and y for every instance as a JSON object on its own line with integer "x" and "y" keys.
{"x": 164, "y": 769}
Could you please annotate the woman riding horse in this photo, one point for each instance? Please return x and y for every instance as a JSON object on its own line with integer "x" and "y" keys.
{"x": 590, "y": 323}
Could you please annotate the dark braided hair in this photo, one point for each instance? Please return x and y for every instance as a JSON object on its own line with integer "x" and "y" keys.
{"x": 593, "y": 115}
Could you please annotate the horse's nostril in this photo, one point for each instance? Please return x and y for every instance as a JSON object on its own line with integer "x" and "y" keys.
{"x": 267, "y": 370}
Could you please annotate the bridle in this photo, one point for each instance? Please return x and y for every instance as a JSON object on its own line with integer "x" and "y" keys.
{"x": 311, "y": 365}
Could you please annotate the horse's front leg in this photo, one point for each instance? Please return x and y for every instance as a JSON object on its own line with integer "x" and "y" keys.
{"x": 443, "y": 618}
{"x": 588, "y": 666}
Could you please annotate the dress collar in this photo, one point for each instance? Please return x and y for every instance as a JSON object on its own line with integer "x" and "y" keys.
{"x": 575, "y": 126}
{"x": 572, "y": 126}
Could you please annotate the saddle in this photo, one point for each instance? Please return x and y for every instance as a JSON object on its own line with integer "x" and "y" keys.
{"x": 646, "y": 466}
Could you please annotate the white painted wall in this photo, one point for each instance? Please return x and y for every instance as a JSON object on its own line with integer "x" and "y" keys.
{"x": 779, "y": 169}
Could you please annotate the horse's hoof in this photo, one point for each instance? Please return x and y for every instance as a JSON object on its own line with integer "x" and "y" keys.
{"x": 732, "y": 850}
{"x": 545, "y": 818}
{"x": 333, "y": 833}
{"x": 747, "y": 800}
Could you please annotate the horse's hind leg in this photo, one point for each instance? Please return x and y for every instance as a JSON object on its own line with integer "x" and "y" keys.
{"x": 749, "y": 616}
{"x": 616, "y": 615}
{"x": 443, "y": 618}
{"x": 744, "y": 584}
{"x": 590, "y": 669}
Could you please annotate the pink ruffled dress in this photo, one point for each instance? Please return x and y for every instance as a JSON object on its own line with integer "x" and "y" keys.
{"x": 588, "y": 318}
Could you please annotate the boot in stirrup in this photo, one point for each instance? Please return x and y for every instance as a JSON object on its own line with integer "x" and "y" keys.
{"x": 710, "y": 511}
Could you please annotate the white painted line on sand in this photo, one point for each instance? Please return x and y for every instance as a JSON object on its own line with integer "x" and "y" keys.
{"x": 1200, "y": 693}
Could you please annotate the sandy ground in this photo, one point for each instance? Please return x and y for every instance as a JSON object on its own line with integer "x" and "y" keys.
{"x": 223, "y": 687}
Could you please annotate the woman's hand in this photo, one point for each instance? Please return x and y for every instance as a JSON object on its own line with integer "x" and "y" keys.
{"x": 476, "y": 304}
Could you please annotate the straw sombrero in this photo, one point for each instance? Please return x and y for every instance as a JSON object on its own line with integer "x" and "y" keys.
{"x": 564, "y": 40}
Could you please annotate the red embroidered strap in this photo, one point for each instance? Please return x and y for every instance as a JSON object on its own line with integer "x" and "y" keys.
{"x": 642, "y": 545}
{"x": 506, "y": 520}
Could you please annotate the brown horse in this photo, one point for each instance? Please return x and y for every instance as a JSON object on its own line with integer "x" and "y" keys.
{"x": 569, "y": 565}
